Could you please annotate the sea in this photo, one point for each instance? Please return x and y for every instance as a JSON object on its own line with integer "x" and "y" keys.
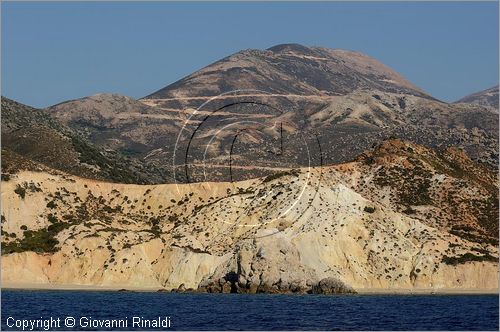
{"x": 106, "y": 310}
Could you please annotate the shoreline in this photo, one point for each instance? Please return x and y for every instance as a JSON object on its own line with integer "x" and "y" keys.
{"x": 364, "y": 291}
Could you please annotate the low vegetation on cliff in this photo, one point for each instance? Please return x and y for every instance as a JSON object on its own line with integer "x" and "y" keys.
{"x": 399, "y": 216}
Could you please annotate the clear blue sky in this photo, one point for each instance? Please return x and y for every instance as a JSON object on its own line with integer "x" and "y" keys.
{"x": 53, "y": 52}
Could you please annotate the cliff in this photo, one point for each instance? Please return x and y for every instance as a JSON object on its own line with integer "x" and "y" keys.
{"x": 322, "y": 230}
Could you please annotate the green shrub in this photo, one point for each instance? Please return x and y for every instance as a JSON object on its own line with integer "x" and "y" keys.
{"x": 37, "y": 241}
{"x": 468, "y": 257}
{"x": 42, "y": 240}
{"x": 369, "y": 209}
{"x": 52, "y": 219}
{"x": 277, "y": 175}
{"x": 20, "y": 191}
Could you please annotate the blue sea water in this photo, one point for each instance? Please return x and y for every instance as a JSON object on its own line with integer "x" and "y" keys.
{"x": 256, "y": 312}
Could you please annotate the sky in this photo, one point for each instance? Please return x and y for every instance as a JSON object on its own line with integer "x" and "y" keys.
{"x": 52, "y": 52}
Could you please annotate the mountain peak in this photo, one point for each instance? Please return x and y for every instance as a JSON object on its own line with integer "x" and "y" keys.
{"x": 291, "y": 69}
{"x": 282, "y": 48}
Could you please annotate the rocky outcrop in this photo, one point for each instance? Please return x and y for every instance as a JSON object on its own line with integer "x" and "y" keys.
{"x": 331, "y": 286}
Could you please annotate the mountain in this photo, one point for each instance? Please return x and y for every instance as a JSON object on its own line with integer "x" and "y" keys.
{"x": 284, "y": 107}
{"x": 399, "y": 218}
{"x": 488, "y": 98}
{"x": 288, "y": 69}
{"x": 33, "y": 140}
{"x": 118, "y": 122}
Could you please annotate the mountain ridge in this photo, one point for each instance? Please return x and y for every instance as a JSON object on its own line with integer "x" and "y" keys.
{"x": 33, "y": 134}
{"x": 488, "y": 98}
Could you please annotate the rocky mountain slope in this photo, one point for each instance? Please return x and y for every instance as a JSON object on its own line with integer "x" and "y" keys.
{"x": 288, "y": 69}
{"x": 33, "y": 140}
{"x": 487, "y": 98}
{"x": 118, "y": 122}
{"x": 258, "y": 111}
{"x": 401, "y": 217}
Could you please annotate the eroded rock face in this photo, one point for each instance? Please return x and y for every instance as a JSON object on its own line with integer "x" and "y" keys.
{"x": 259, "y": 277}
{"x": 325, "y": 230}
{"x": 265, "y": 265}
